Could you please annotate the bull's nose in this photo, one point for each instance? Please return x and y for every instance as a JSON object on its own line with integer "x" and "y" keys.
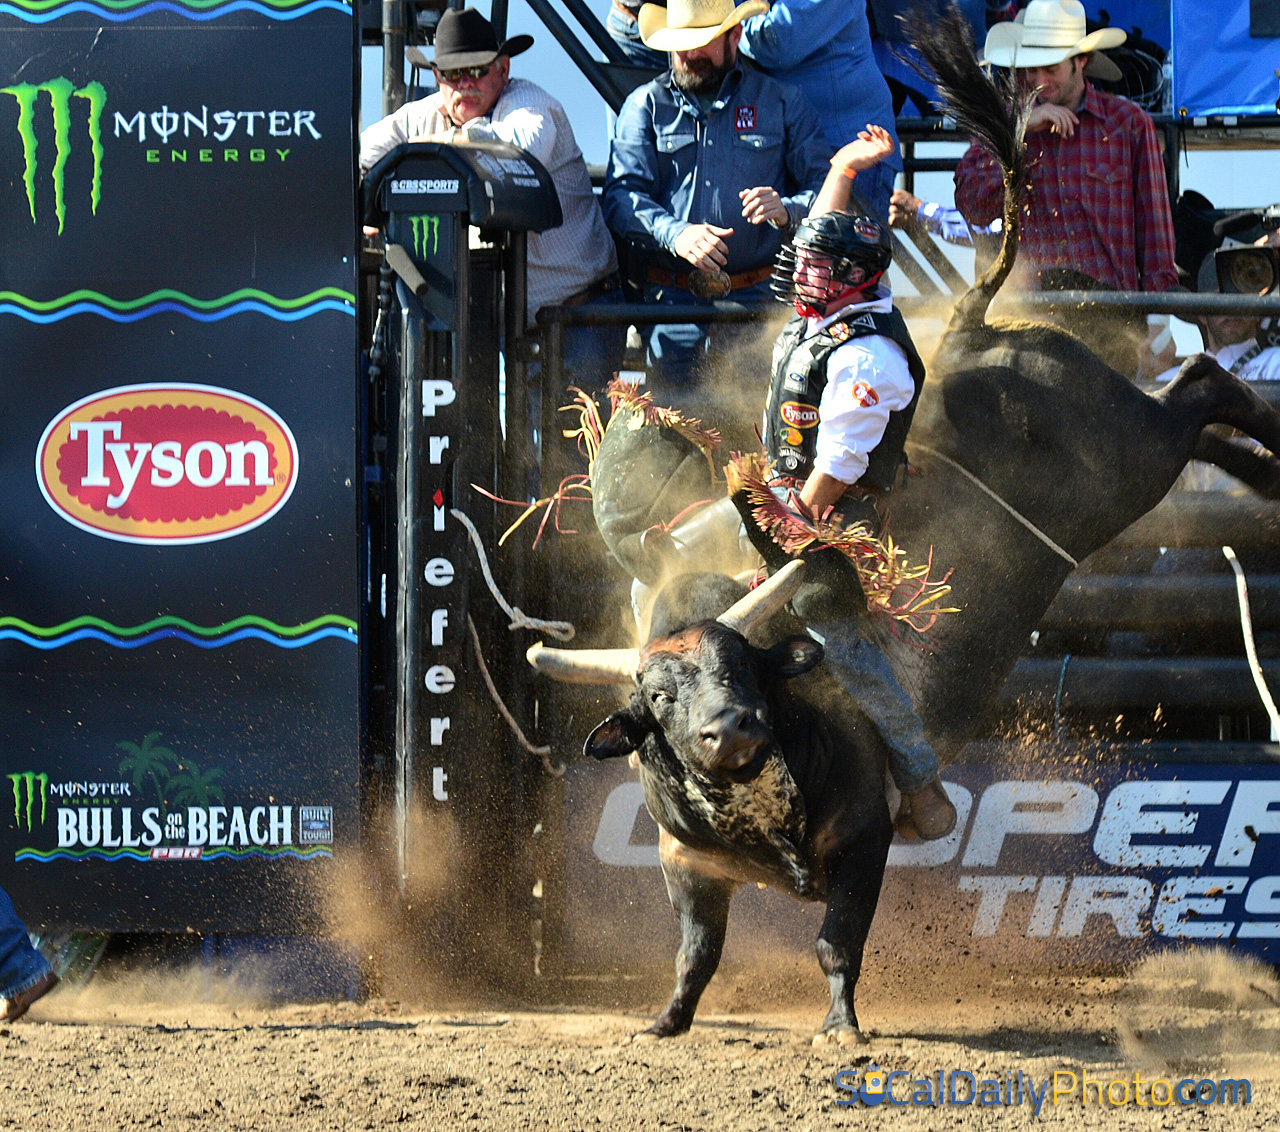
{"x": 732, "y": 738}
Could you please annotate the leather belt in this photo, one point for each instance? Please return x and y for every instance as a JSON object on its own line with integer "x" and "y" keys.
{"x": 600, "y": 287}
{"x": 710, "y": 284}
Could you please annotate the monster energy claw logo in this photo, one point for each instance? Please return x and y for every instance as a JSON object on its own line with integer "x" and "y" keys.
{"x": 426, "y": 233}
{"x": 61, "y": 91}
{"x": 25, "y": 784}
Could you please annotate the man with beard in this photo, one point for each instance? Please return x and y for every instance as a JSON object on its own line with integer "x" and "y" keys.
{"x": 712, "y": 165}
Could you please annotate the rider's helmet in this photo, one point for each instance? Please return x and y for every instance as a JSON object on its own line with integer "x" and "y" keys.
{"x": 832, "y": 255}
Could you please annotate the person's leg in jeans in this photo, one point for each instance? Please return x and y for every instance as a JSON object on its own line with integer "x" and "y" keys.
{"x": 677, "y": 351}
{"x": 22, "y": 967}
{"x": 626, "y": 34}
{"x": 863, "y": 671}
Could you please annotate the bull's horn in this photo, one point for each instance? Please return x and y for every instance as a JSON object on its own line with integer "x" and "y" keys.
{"x": 765, "y": 600}
{"x": 586, "y": 666}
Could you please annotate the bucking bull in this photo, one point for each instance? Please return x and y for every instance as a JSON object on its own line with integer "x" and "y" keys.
{"x": 1029, "y": 455}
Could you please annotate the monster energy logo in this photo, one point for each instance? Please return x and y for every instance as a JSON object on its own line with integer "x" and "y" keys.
{"x": 426, "y": 230}
{"x": 25, "y": 783}
{"x": 60, "y": 91}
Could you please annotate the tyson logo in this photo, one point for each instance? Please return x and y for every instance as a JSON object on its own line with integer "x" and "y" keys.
{"x": 167, "y": 463}
{"x": 799, "y": 415}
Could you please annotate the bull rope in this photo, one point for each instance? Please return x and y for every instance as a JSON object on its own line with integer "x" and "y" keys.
{"x": 556, "y": 770}
{"x": 1044, "y": 538}
{"x": 561, "y": 630}
{"x": 1250, "y": 649}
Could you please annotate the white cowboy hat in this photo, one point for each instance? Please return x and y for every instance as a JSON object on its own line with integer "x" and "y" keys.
{"x": 1047, "y": 32}
{"x": 684, "y": 25}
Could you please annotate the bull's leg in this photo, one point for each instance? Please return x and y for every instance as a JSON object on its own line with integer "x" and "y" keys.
{"x": 702, "y": 905}
{"x": 853, "y": 887}
{"x": 1206, "y": 393}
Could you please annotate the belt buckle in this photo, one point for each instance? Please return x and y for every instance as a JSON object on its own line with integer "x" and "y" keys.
{"x": 709, "y": 284}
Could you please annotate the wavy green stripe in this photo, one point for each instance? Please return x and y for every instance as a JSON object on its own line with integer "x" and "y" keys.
{"x": 178, "y": 622}
{"x": 125, "y": 5}
{"x": 178, "y": 296}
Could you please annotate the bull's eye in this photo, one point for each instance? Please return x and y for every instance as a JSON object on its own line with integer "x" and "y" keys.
{"x": 659, "y": 698}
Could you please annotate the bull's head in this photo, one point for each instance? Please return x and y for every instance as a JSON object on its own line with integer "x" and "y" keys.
{"x": 700, "y": 688}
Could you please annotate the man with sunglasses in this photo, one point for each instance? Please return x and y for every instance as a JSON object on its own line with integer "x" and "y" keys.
{"x": 479, "y": 101}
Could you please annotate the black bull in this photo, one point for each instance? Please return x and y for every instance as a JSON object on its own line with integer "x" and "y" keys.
{"x": 1031, "y": 454}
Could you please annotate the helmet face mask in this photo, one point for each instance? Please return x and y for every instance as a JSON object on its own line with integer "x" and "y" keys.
{"x": 832, "y": 258}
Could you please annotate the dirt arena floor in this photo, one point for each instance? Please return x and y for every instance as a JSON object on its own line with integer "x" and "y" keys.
{"x": 144, "y": 1052}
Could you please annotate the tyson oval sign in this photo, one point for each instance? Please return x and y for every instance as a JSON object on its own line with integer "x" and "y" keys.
{"x": 167, "y": 463}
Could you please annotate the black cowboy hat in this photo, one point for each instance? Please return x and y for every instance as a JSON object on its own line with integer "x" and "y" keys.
{"x": 467, "y": 39}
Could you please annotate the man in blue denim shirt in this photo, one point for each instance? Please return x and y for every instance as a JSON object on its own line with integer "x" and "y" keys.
{"x": 824, "y": 48}
{"x": 696, "y": 152}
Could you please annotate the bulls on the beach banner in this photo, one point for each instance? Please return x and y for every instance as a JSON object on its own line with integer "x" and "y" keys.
{"x": 179, "y": 607}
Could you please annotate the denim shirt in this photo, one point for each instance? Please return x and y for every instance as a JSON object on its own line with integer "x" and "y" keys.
{"x": 671, "y": 165}
{"x": 824, "y": 48}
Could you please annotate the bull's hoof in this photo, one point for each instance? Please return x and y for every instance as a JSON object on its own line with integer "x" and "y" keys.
{"x": 840, "y": 1036}
{"x": 661, "y": 1028}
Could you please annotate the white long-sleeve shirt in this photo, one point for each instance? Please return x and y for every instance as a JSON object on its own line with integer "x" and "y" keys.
{"x": 867, "y": 379}
{"x": 562, "y": 261}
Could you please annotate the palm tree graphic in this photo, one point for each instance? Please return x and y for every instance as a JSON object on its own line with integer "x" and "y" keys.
{"x": 145, "y": 761}
{"x": 191, "y": 787}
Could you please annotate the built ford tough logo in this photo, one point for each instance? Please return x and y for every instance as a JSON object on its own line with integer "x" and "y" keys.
{"x": 799, "y": 415}
{"x": 167, "y": 463}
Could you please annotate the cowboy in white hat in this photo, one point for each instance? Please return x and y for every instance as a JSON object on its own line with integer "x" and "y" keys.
{"x": 711, "y": 164}
{"x": 1049, "y": 46}
{"x": 1096, "y": 201}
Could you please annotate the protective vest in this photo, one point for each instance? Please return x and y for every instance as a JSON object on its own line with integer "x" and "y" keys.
{"x": 795, "y": 393}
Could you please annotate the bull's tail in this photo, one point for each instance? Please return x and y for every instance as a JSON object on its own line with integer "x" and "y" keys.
{"x": 992, "y": 115}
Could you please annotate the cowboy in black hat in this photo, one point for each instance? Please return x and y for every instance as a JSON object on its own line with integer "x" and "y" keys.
{"x": 479, "y": 101}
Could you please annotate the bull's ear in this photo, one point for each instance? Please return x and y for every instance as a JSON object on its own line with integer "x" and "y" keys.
{"x": 793, "y": 656}
{"x": 618, "y": 735}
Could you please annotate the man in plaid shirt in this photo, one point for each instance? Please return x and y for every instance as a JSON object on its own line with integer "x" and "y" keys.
{"x": 1096, "y": 201}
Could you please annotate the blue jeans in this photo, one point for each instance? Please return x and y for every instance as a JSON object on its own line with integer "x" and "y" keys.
{"x": 21, "y": 965}
{"x": 862, "y": 670}
{"x": 626, "y": 34}
{"x": 678, "y": 350}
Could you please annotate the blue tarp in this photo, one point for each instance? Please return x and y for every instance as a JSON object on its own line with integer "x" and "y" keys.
{"x": 1217, "y": 67}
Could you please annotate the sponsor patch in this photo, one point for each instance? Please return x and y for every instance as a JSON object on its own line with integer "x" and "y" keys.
{"x": 744, "y": 118}
{"x": 799, "y": 415}
{"x": 840, "y": 332}
{"x": 315, "y": 824}
{"x": 791, "y": 436}
{"x": 795, "y": 382}
{"x": 864, "y": 320}
{"x": 866, "y": 229}
{"x": 865, "y": 395}
{"x": 167, "y": 463}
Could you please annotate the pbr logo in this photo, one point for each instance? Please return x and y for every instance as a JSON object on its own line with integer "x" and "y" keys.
{"x": 60, "y": 91}
{"x": 799, "y": 415}
{"x": 167, "y": 464}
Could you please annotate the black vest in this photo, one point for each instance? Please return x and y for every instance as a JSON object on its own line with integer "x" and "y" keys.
{"x": 799, "y": 377}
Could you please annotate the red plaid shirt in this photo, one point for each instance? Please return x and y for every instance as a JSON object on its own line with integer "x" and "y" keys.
{"x": 1097, "y": 202}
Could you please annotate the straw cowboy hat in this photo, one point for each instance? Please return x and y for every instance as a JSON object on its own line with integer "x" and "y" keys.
{"x": 1047, "y": 32}
{"x": 688, "y": 24}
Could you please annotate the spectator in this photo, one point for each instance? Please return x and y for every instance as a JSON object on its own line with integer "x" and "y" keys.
{"x": 909, "y": 211}
{"x": 824, "y": 48}
{"x": 24, "y": 973}
{"x": 623, "y": 26}
{"x": 700, "y": 149}
{"x": 1096, "y": 199}
{"x": 479, "y": 101}
{"x": 897, "y": 59}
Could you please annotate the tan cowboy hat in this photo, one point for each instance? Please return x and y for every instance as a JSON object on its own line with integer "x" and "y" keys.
{"x": 1047, "y": 32}
{"x": 684, "y": 25}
